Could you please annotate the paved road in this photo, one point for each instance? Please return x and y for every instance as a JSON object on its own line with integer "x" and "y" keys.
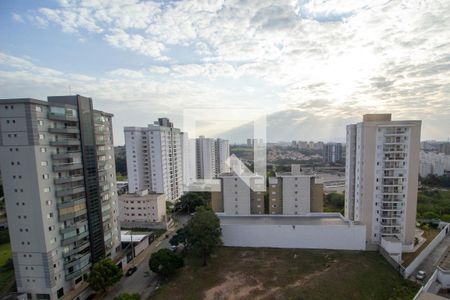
{"x": 142, "y": 281}
{"x": 431, "y": 262}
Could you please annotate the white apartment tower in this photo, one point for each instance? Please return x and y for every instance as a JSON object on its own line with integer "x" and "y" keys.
{"x": 382, "y": 165}
{"x": 155, "y": 159}
{"x": 206, "y": 158}
{"x": 211, "y": 157}
{"x": 222, "y": 154}
{"x": 58, "y": 171}
{"x": 189, "y": 161}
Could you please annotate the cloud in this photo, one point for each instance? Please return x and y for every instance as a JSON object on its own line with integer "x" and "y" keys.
{"x": 326, "y": 58}
{"x": 17, "y": 18}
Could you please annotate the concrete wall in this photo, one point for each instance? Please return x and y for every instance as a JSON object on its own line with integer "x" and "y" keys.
{"x": 340, "y": 237}
{"x": 425, "y": 252}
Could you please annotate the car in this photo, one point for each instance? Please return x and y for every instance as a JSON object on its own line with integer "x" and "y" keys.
{"x": 421, "y": 275}
{"x": 130, "y": 271}
{"x": 173, "y": 248}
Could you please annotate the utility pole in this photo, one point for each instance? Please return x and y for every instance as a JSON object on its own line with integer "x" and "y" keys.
{"x": 132, "y": 247}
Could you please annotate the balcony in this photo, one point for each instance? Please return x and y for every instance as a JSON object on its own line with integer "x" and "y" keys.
{"x": 62, "y": 117}
{"x": 65, "y": 142}
{"x": 67, "y": 167}
{"x": 74, "y": 259}
{"x": 66, "y": 155}
{"x": 71, "y": 215}
{"x": 75, "y": 238}
{"x": 64, "y": 130}
{"x": 78, "y": 272}
{"x": 76, "y": 249}
{"x": 74, "y": 226}
{"x": 69, "y": 191}
{"x": 72, "y": 202}
{"x": 63, "y": 180}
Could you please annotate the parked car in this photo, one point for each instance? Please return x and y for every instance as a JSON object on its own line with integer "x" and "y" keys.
{"x": 130, "y": 271}
{"x": 173, "y": 248}
{"x": 421, "y": 275}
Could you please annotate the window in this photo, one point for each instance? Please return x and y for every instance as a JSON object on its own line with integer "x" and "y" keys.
{"x": 44, "y": 163}
{"x": 41, "y": 136}
{"x": 45, "y": 176}
{"x": 43, "y": 149}
{"x": 38, "y": 108}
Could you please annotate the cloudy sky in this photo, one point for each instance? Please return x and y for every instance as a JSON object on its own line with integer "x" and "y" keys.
{"x": 313, "y": 66}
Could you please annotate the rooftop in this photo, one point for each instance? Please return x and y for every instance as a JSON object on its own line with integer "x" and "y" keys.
{"x": 310, "y": 219}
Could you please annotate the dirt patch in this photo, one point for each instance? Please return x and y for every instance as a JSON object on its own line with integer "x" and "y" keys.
{"x": 235, "y": 286}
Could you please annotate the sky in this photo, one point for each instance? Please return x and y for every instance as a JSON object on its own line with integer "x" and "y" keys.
{"x": 313, "y": 66}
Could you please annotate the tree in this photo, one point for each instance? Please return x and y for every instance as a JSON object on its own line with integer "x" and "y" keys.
{"x": 179, "y": 237}
{"x": 104, "y": 274}
{"x": 165, "y": 262}
{"x": 203, "y": 233}
{"x": 190, "y": 201}
{"x": 126, "y": 296}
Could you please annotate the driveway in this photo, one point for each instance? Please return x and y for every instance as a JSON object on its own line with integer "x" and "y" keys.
{"x": 432, "y": 260}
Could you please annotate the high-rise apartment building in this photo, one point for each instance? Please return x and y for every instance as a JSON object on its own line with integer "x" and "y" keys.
{"x": 189, "y": 160}
{"x": 292, "y": 193}
{"x": 382, "y": 165}
{"x": 222, "y": 149}
{"x": 211, "y": 157}
{"x": 155, "y": 159}
{"x": 332, "y": 152}
{"x": 206, "y": 158}
{"x": 58, "y": 172}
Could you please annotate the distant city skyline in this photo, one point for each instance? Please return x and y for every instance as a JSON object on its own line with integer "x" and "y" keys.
{"x": 312, "y": 66}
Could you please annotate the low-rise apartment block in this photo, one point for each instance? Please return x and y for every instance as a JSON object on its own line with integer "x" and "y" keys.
{"x": 142, "y": 209}
{"x": 236, "y": 196}
{"x": 293, "y": 193}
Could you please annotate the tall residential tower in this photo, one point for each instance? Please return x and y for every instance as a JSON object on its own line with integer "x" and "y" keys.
{"x": 58, "y": 172}
{"x": 155, "y": 159}
{"x": 382, "y": 165}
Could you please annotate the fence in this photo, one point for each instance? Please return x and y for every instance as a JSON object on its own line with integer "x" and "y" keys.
{"x": 425, "y": 252}
{"x": 391, "y": 261}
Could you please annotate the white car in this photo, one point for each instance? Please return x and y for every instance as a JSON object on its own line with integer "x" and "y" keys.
{"x": 421, "y": 275}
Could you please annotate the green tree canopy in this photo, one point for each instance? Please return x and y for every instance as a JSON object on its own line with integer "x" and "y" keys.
{"x": 164, "y": 262}
{"x": 203, "y": 233}
{"x": 190, "y": 201}
{"x": 104, "y": 274}
{"x": 126, "y": 296}
{"x": 179, "y": 237}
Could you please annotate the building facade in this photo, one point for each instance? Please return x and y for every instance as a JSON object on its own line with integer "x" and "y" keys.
{"x": 237, "y": 197}
{"x": 332, "y": 153}
{"x": 142, "y": 208}
{"x": 189, "y": 161}
{"x": 292, "y": 193}
{"x": 382, "y": 166}
{"x": 205, "y": 158}
{"x": 155, "y": 159}
{"x": 222, "y": 149}
{"x": 58, "y": 168}
{"x": 211, "y": 157}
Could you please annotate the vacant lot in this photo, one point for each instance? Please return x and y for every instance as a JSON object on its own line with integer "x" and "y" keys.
{"x": 249, "y": 273}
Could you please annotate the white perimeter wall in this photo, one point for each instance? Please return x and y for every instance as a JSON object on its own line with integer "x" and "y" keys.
{"x": 340, "y": 237}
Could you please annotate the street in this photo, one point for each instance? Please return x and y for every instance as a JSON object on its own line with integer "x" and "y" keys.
{"x": 142, "y": 281}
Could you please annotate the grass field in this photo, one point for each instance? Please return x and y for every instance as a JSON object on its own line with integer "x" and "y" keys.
{"x": 250, "y": 273}
{"x": 6, "y": 276}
